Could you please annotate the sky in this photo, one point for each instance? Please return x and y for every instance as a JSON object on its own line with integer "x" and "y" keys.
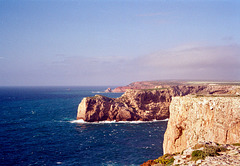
{"x": 116, "y": 42}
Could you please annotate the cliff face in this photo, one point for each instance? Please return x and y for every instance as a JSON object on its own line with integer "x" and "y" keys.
{"x": 132, "y": 105}
{"x": 144, "y": 104}
{"x": 193, "y": 119}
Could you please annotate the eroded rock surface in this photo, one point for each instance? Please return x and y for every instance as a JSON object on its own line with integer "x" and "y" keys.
{"x": 202, "y": 154}
{"x": 143, "y": 104}
{"x": 132, "y": 105}
{"x": 193, "y": 119}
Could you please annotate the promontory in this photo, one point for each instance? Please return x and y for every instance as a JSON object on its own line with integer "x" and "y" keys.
{"x": 204, "y": 118}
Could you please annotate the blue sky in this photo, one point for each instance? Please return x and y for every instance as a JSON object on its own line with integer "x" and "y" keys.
{"x": 108, "y": 42}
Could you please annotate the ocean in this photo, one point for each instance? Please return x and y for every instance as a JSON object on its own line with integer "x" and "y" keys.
{"x": 38, "y": 127}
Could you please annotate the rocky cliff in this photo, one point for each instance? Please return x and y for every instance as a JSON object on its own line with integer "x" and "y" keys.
{"x": 214, "y": 87}
{"x": 194, "y": 118}
{"x": 132, "y": 105}
{"x": 142, "y": 104}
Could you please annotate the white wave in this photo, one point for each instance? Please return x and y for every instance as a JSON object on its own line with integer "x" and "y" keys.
{"x": 104, "y": 92}
{"x": 78, "y": 121}
{"x": 98, "y": 92}
{"x": 114, "y": 121}
{"x": 161, "y": 120}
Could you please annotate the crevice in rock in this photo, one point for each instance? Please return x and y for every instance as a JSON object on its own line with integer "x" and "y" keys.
{"x": 226, "y": 137}
{"x": 180, "y": 132}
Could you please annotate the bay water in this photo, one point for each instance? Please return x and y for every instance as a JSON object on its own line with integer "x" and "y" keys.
{"x": 38, "y": 127}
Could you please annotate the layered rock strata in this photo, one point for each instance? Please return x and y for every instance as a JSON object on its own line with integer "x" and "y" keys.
{"x": 193, "y": 119}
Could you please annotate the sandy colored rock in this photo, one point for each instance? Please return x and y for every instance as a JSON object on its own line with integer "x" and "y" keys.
{"x": 193, "y": 119}
{"x": 108, "y": 90}
{"x": 144, "y": 104}
{"x": 132, "y": 105}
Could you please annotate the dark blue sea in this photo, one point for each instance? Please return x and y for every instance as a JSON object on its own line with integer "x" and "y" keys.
{"x": 36, "y": 128}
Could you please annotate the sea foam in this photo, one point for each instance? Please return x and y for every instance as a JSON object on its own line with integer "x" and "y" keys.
{"x": 114, "y": 121}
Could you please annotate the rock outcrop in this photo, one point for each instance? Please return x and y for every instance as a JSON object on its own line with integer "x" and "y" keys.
{"x": 108, "y": 90}
{"x": 194, "y": 118}
{"x": 133, "y": 105}
{"x": 143, "y": 104}
{"x": 202, "y": 154}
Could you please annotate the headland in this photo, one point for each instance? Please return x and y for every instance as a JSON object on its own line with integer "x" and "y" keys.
{"x": 198, "y": 112}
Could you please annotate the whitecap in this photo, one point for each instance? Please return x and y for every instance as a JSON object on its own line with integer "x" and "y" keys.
{"x": 161, "y": 120}
{"x": 114, "y": 121}
{"x": 104, "y": 92}
{"x": 98, "y": 92}
{"x": 78, "y": 121}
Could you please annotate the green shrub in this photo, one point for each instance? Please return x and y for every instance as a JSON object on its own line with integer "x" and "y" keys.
{"x": 223, "y": 149}
{"x": 211, "y": 150}
{"x": 171, "y": 161}
{"x": 176, "y": 153}
{"x": 197, "y": 146}
{"x": 236, "y": 144}
{"x": 217, "y": 144}
{"x": 207, "y": 151}
{"x": 166, "y": 159}
{"x": 198, "y": 154}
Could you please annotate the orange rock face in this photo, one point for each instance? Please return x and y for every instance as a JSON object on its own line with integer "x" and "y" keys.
{"x": 200, "y": 119}
{"x": 142, "y": 104}
{"x": 132, "y": 105}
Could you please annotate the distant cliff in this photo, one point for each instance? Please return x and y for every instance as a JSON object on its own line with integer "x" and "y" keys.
{"x": 214, "y": 87}
{"x": 147, "y": 85}
{"x": 197, "y": 118}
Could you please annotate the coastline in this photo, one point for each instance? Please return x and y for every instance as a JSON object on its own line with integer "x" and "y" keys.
{"x": 144, "y": 100}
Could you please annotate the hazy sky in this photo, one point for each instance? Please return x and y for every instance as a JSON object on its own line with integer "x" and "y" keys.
{"x": 110, "y": 42}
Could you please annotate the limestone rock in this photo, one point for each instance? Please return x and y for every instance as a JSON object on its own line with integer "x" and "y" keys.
{"x": 132, "y": 105}
{"x": 143, "y": 104}
{"x": 193, "y": 119}
{"x": 210, "y": 153}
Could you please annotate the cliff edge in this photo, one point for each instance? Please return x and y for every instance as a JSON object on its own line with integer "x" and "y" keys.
{"x": 193, "y": 119}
